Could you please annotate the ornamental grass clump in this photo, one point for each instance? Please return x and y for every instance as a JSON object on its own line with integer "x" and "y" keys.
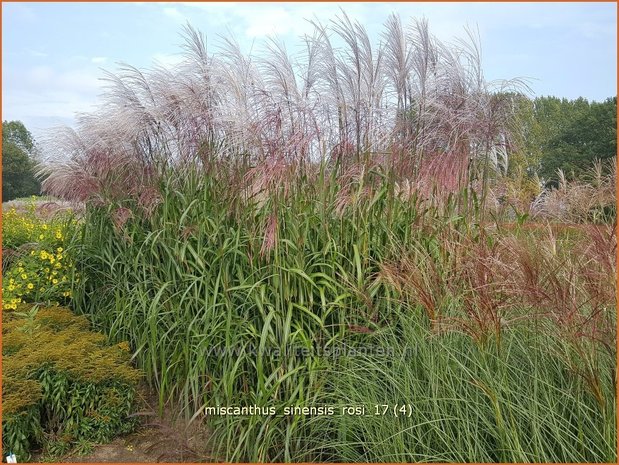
{"x": 219, "y": 309}
{"x": 464, "y": 402}
{"x": 61, "y": 382}
{"x": 241, "y": 208}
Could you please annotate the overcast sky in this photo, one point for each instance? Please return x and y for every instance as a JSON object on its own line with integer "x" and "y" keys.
{"x": 53, "y": 53}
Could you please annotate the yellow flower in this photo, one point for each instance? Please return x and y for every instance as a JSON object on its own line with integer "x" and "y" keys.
{"x": 30, "y": 286}
{"x": 55, "y": 281}
{"x": 58, "y": 235}
{"x": 45, "y": 227}
{"x": 41, "y": 237}
{"x": 11, "y": 287}
{"x": 24, "y": 276}
{"x": 52, "y": 259}
{"x": 59, "y": 249}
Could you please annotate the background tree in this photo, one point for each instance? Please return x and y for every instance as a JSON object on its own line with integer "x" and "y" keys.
{"x": 565, "y": 134}
{"x": 18, "y": 162}
{"x": 589, "y": 133}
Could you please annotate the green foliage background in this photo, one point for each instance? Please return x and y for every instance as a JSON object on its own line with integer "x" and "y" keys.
{"x": 18, "y": 162}
{"x": 565, "y": 134}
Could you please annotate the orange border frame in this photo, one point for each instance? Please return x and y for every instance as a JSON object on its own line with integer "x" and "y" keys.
{"x": 317, "y": 1}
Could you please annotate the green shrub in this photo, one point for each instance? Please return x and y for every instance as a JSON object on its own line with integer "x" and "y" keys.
{"x": 61, "y": 382}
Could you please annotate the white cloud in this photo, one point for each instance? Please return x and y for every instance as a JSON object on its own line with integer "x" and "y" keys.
{"x": 44, "y": 94}
{"x": 21, "y": 12}
{"x": 98, "y": 60}
{"x": 43, "y": 78}
{"x": 295, "y": 19}
{"x": 57, "y": 103}
{"x": 596, "y": 30}
{"x": 256, "y": 20}
{"x": 174, "y": 14}
{"x": 40, "y": 75}
{"x": 269, "y": 21}
{"x": 37, "y": 53}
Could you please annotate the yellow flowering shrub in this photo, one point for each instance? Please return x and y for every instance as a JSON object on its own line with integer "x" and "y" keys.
{"x": 18, "y": 227}
{"x": 42, "y": 275}
{"x": 40, "y": 269}
{"x": 24, "y": 226}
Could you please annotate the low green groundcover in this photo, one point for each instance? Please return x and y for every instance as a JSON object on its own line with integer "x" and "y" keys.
{"x": 62, "y": 383}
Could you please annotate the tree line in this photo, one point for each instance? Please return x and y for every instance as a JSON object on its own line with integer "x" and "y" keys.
{"x": 567, "y": 135}
{"x": 19, "y": 159}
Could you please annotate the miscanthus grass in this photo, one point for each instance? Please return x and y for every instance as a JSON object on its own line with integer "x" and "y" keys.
{"x": 507, "y": 356}
{"x": 240, "y": 207}
{"x": 469, "y": 403}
